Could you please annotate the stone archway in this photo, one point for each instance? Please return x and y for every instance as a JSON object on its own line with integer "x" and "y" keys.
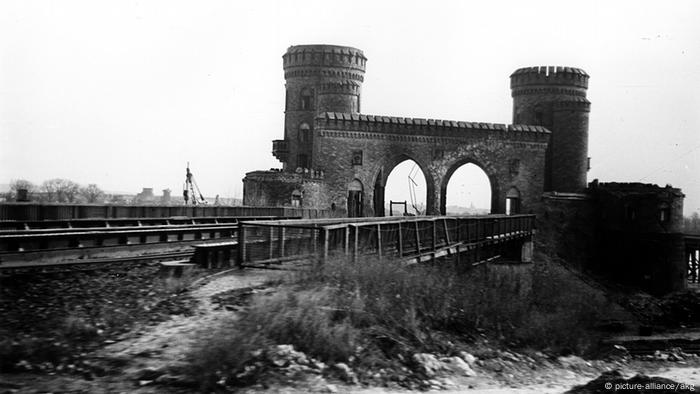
{"x": 496, "y": 206}
{"x": 382, "y": 173}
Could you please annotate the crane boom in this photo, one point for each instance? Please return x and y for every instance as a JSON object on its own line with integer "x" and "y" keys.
{"x": 189, "y": 188}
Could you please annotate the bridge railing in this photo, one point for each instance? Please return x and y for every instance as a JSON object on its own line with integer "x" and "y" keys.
{"x": 408, "y": 238}
{"x": 692, "y": 253}
{"x": 118, "y": 232}
{"x": 32, "y": 211}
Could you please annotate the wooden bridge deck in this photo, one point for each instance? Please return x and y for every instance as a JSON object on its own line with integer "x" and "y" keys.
{"x": 411, "y": 239}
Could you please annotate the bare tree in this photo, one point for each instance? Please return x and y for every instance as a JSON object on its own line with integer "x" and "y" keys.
{"x": 60, "y": 190}
{"x": 91, "y": 193}
{"x": 20, "y": 184}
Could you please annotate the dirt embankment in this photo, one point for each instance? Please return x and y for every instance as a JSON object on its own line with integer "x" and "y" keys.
{"x": 137, "y": 332}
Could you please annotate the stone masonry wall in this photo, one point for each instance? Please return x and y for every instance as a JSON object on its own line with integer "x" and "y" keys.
{"x": 331, "y": 76}
{"x": 555, "y": 97}
{"x": 511, "y": 156}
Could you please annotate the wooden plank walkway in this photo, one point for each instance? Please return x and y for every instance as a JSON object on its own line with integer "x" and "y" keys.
{"x": 410, "y": 239}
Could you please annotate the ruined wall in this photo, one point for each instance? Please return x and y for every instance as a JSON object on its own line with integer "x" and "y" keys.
{"x": 566, "y": 228}
{"x": 640, "y": 240}
{"x": 277, "y": 188}
{"x": 637, "y": 207}
{"x": 266, "y": 188}
{"x": 618, "y": 230}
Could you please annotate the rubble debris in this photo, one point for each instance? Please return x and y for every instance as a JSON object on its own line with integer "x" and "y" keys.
{"x": 614, "y": 381}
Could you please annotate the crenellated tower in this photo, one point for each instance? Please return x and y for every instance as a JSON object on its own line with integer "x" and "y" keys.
{"x": 555, "y": 97}
{"x": 319, "y": 78}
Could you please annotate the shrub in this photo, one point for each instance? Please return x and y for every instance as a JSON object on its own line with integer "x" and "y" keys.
{"x": 307, "y": 319}
{"x": 381, "y": 308}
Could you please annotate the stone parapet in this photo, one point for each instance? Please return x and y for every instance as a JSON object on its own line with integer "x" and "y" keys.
{"x": 427, "y": 127}
{"x": 549, "y": 75}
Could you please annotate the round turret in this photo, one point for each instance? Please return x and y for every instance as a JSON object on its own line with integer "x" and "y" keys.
{"x": 555, "y": 97}
{"x": 319, "y": 78}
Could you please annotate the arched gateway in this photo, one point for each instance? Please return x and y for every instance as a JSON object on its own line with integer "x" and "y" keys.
{"x": 340, "y": 158}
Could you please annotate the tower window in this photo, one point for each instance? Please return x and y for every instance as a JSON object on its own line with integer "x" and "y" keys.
{"x": 304, "y": 132}
{"x": 307, "y": 96}
{"x": 664, "y": 213}
{"x": 357, "y": 158}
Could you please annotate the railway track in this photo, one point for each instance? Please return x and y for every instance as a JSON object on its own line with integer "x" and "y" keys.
{"x": 91, "y": 264}
{"x": 50, "y": 246}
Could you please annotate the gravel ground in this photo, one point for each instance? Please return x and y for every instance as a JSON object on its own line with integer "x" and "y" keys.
{"x": 136, "y": 326}
{"x": 49, "y": 320}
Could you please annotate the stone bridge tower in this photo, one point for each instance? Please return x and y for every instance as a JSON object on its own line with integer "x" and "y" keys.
{"x": 555, "y": 97}
{"x": 319, "y": 78}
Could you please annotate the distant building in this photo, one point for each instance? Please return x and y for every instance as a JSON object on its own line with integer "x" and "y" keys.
{"x": 165, "y": 198}
{"x": 146, "y": 196}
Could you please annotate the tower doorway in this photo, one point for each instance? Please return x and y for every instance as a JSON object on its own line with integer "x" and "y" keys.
{"x": 355, "y": 199}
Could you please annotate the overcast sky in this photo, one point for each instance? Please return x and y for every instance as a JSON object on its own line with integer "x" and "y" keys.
{"x": 124, "y": 93}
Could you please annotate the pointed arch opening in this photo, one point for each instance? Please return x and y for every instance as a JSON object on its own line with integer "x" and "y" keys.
{"x": 403, "y": 192}
{"x": 468, "y": 191}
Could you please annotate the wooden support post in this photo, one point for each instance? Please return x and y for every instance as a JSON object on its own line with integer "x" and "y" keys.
{"x": 281, "y": 234}
{"x": 434, "y": 235}
{"x": 415, "y": 225}
{"x": 379, "y": 241}
{"x": 447, "y": 233}
{"x": 203, "y": 258}
{"x": 356, "y": 248}
{"x": 270, "y": 244}
{"x": 400, "y": 240}
{"x": 227, "y": 257}
{"x": 459, "y": 230}
{"x": 347, "y": 240}
{"x": 241, "y": 245}
{"x": 477, "y": 240}
{"x": 326, "y": 241}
